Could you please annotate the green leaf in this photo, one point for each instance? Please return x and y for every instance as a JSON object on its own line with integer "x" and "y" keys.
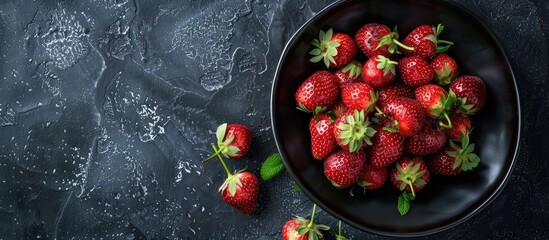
{"x": 321, "y": 35}
{"x": 403, "y": 205}
{"x": 322, "y": 227}
{"x": 315, "y": 51}
{"x": 316, "y": 59}
{"x": 315, "y": 43}
{"x": 431, "y": 38}
{"x": 232, "y": 188}
{"x": 271, "y": 167}
{"x": 329, "y": 34}
{"x": 441, "y": 49}
{"x": 302, "y": 230}
{"x": 232, "y": 151}
{"x": 327, "y": 62}
{"x": 220, "y": 132}
{"x": 296, "y": 187}
{"x": 439, "y": 29}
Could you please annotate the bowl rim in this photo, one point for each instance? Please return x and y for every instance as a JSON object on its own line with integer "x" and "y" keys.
{"x": 490, "y": 199}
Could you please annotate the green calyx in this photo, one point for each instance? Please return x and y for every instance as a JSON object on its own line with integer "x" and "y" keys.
{"x": 325, "y": 49}
{"x": 363, "y": 183}
{"x": 386, "y": 65}
{"x": 464, "y": 155}
{"x": 441, "y": 113}
{"x": 392, "y": 41}
{"x": 356, "y": 132}
{"x": 441, "y": 45}
{"x": 445, "y": 76}
{"x": 353, "y": 69}
{"x": 410, "y": 176}
{"x": 464, "y": 108}
{"x": 307, "y": 226}
{"x": 224, "y": 143}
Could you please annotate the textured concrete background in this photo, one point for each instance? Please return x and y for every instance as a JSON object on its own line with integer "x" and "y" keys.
{"x": 107, "y": 107}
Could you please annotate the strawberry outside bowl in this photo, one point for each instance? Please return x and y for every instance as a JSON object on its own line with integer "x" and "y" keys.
{"x": 446, "y": 201}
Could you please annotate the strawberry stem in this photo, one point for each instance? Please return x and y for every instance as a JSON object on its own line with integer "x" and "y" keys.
{"x": 339, "y": 226}
{"x": 229, "y": 174}
{"x": 412, "y": 188}
{"x": 402, "y": 45}
{"x": 311, "y": 223}
{"x": 449, "y": 122}
{"x": 216, "y": 153}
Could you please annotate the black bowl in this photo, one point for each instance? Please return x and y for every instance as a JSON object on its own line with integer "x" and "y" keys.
{"x": 446, "y": 201}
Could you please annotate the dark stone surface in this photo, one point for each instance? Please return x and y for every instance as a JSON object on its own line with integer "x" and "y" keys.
{"x": 107, "y": 107}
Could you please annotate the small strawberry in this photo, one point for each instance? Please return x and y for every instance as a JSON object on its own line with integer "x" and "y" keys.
{"x": 471, "y": 93}
{"x": 410, "y": 176}
{"x": 337, "y": 109}
{"x": 300, "y": 228}
{"x": 461, "y": 125}
{"x": 349, "y": 74}
{"x": 379, "y": 71}
{"x": 372, "y": 178}
{"x": 377, "y": 39}
{"x": 233, "y": 140}
{"x": 395, "y": 89}
{"x": 334, "y": 49}
{"x": 455, "y": 158}
{"x": 359, "y": 96}
{"x": 352, "y": 130}
{"x": 436, "y": 102}
{"x": 415, "y": 71}
{"x": 446, "y": 68}
{"x": 424, "y": 40}
{"x": 344, "y": 168}
{"x": 323, "y": 141}
{"x": 387, "y": 147}
{"x": 318, "y": 91}
{"x": 407, "y": 114}
{"x": 428, "y": 141}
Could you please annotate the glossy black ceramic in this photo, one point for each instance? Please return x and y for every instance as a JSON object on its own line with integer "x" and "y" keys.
{"x": 446, "y": 201}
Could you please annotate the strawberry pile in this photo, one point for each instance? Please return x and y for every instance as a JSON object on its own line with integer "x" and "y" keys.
{"x": 402, "y": 114}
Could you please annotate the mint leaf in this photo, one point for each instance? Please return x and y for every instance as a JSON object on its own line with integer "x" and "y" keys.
{"x": 271, "y": 167}
{"x": 296, "y": 187}
{"x": 403, "y": 205}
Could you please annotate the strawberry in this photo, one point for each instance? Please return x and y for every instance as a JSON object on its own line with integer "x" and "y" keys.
{"x": 436, "y": 102}
{"x": 323, "y": 142}
{"x": 424, "y": 40}
{"x": 300, "y": 228}
{"x": 387, "y": 147}
{"x": 377, "y": 39}
{"x": 471, "y": 93}
{"x": 359, "y": 96}
{"x": 461, "y": 125}
{"x": 379, "y": 71}
{"x": 316, "y": 92}
{"x": 349, "y": 74}
{"x": 407, "y": 114}
{"x": 352, "y": 130}
{"x": 395, "y": 89}
{"x": 241, "y": 190}
{"x": 344, "y": 168}
{"x": 445, "y": 67}
{"x": 372, "y": 178}
{"x": 337, "y": 109}
{"x": 233, "y": 140}
{"x": 428, "y": 141}
{"x": 410, "y": 176}
{"x": 415, "y": 71}
{"x": 455, "y": 158}
{"x": 335, "y": 49}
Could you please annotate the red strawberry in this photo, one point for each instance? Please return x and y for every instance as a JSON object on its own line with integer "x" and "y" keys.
{"x": 337, "y": 109}
{"x": 387, "y": 147}
{"x": 471, "y": 93}
{"x": 461, "y": 125}
{"x": 233, "y": 140}
{"x": 323, "y": 141}
{"x": 436, "y": 102}
{"x": 377, "y": 39}
{"x": 352, "y": 130}
{"x": 410, "y": 175}
{"x": 415, "y": 71}
{"x": 335, "y": 50}
{"x": 300, "y": 228}
{"x": 372, "y": 178}
{"x": 359, "y": 96}
{"x": 349, "y": 74}
{"x": 430, "y": 140}
{"x": 446, "y": 68}
{"x": 395, "y": 89}
{"x": 379, "y": 71}
{"x": 455, "y": 158}
{"x": 240, "y": 190}
{"x": 408, "y": 115}
{"x": 318, "y": 91}
{"x": 424, "y": 40}
{"x": 343, "y": 168}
